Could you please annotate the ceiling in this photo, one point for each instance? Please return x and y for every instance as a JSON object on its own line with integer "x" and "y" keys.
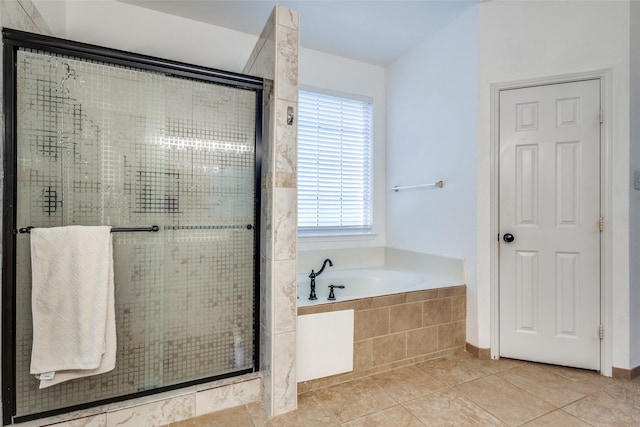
{"x": 373, "y": 31}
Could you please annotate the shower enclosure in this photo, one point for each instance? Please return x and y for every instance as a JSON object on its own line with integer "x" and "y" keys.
{"x": 102, "y": 137}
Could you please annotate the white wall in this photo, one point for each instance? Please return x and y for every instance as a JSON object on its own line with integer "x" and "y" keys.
{"x": 634, "y": 197}
{"x": 54, "y": 14}
{"x": 431, "y": 135}
{"x": 531, "y": 39}
{"x": 122, "y": 26}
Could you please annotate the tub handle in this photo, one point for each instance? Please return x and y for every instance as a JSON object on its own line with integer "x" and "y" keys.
{"x": 332, "y": 296}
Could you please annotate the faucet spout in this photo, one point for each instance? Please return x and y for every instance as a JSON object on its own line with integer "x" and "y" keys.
{"x": 324, "y": 264}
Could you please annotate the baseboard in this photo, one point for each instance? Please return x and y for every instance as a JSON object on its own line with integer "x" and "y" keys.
{"x": 480, "y": 353}
{"x": 625, "y": 374}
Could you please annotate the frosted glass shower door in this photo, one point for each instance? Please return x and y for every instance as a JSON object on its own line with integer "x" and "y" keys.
{"x": 99, "y": 144}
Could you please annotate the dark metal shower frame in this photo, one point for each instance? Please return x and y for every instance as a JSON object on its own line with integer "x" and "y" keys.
{"x": 12, "y": 41}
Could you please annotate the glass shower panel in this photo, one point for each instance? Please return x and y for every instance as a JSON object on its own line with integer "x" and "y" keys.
{"x": 100, "y": 144}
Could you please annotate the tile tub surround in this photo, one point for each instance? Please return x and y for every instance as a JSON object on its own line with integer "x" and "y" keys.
{"x": 397, "y": 330}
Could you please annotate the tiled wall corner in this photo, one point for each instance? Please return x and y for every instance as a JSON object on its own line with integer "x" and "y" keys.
{"x": 275, "y": 57}
{"x": 285, "y": 227}
{"x": 284, "y": 298}
{"x": 22, "y": 15}
{"x": 285, "y": 387}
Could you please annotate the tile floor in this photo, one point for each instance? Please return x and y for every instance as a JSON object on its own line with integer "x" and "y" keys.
{"x": 458, "y": 390}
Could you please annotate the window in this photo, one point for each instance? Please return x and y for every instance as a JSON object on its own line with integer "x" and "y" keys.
{"x": 334, "y": 165}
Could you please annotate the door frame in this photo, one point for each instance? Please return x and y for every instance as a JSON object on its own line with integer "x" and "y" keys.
{"x": 606, "y": 284}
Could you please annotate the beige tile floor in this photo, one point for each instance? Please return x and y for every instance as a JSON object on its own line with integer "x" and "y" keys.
{"x": 459, "y": 390}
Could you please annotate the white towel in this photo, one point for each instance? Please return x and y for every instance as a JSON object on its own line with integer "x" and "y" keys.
{"x": 74, "y": 328}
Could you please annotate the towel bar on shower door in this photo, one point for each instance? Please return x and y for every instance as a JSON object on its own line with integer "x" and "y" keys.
{"x": 153, "y": 228}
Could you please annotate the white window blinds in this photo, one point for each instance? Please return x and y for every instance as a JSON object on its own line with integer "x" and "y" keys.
{"x": 334, "y": 165}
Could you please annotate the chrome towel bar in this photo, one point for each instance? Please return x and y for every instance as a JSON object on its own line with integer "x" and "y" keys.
{"x": 438, "y": 184}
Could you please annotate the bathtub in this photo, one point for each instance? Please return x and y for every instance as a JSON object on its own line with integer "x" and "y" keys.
{"x": 365, "y": 283}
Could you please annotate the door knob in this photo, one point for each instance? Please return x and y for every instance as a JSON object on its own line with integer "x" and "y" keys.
{"x": 508, "y": 238}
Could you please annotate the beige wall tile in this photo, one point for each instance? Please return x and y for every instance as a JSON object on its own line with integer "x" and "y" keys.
{"x": 285, "y": 224}
{"x": 93, "y": 421}
{"x": 405, "y": 316}
{"x": 287, "y": 64}
{"x": 288, "y": 18}
{"x": 286, "y": 147}
{"x": 436, "y": 312}
{"x": 265, "y": 354}
{"x": 14, "y": 16}
{"x": 284, "y": 296}
{"x": 362, "y": 355}
{"x": 268, "y": 136}
{"x": 451, "y": 335}
{"x": 452, "y": 291}
{"x": 155, "y": 413}
{"x": 286, "y": 180}
{"x": 371, "y": 323}
{"x": 315, "y": 309}
{"x": 388, "y": 300}
{"x": 220, "y": 398}
{"x": 266, "y": 220}
{"x": 422, "y": 295}
{"x": 389, "y": 348}
{"x": 265, "y": 63}
{"x": 422, "y": 341}
{"x": 357, "y": 304}
{"x": 284, "y": 373}
{"x": 266, "y": 294}
{"x": 459, "y": 307}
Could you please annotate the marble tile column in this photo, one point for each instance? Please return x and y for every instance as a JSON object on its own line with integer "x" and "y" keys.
{"x": 275, "y": 58}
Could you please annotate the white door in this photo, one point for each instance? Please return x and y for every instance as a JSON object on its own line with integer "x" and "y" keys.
{"x": 550, "y": 205}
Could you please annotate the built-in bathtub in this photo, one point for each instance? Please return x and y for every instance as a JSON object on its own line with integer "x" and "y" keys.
{"x": 365, "y": 283}
{"x": 399, "y": 318}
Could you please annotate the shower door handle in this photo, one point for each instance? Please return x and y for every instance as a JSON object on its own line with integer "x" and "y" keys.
{"x": 249, "y": 227}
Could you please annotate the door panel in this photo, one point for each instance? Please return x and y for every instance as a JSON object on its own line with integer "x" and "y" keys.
{"x": 550, "y": 202}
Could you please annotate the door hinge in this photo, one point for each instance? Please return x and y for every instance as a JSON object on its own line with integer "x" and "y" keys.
{"x": 601, "y": 116}
{"x": 601, "y": 223}
{"x": 601, "y": 332}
